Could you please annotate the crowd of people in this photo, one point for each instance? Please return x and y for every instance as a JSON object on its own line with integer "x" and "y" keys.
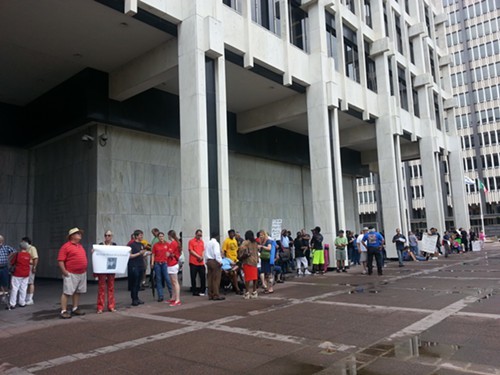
{"x": 242, "y": 265}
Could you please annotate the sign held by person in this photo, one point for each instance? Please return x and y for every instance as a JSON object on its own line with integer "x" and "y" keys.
{"x": 110, "y": 259}
{"x": 428, "y": 243}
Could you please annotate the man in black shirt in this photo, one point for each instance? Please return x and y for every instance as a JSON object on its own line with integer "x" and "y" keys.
{"x": 136, "y": 266}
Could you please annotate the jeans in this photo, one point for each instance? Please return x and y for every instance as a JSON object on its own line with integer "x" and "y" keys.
{"x": 400, "y": 255}
{"x": 134, "y": 281}
{"x": 374, "y": 252}
{"x": 162, "y": 276}
{"x": 197, "y": 270}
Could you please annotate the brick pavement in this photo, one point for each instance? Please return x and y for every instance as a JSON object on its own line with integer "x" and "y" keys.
{"x": 437, "y": 317}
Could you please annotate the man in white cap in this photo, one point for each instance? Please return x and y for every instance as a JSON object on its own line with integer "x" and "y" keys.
{"x": 72, "y": 261}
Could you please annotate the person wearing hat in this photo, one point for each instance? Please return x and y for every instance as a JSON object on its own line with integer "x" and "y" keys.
{"x": 317, "y": 250}
{"x": 73, "y": 262}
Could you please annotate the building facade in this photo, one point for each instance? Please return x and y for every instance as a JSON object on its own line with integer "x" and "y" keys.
{"x": 221, "y": 114}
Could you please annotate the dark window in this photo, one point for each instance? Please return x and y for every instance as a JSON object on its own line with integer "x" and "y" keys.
{"x": 267, "y": 14}
{"x": 331, "y": 38}
{"x": 386, "y": 23}
{"x": 431, "y": 59}
{"x": 412, "y": 53}
{"x": 351, "y": 54}
{"x": 399, "y": 36}
{"x": 350, "y": 5}
{"x": 371, "y": 72}
{"x": 427, "y": 20}
{"x": 407, "y": 6}
{"x": 368, "y": 13}
{"x": 391, "y": 78}
{"x": 403, "y": 92}
{"x": 298, "y": 25}
{"x": 436, "y": 111}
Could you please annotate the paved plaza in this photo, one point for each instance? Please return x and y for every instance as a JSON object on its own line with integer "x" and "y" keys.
{"x": 437, "y": 317}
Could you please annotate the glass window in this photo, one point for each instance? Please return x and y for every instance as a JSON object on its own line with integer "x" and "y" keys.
{"x": 371, "y": 72}
{"x": 368, "y": 13}
{"x": 267, "y": 14}
{"x": 298, "y": 25}
{"x": 437, "y": 114}
{"x": 412, "y": 53}
{"x": 386, "y": 23}
{"x": 403, "y": 93}
{"x": 351, "y": 54}
{"x": 350, "y": 5}
{"x": 391, "y": 78}
{"x": 331, "y": 38}
{"x": 431, "y": 59}
{"x": 399, "y": 36}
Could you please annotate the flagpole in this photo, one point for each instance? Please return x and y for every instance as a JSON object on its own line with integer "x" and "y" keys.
{"x": 481, "y": 211}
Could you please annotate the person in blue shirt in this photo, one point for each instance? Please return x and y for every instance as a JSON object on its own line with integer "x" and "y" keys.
{"x": 374, "y": 243}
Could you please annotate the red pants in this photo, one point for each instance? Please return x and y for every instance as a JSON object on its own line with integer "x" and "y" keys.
{"x": 109, "y": 279}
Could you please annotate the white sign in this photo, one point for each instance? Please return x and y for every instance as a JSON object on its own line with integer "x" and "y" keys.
{"x": 110, "y": 259}
{"x": 476, "y": 245}
{"x": 428, "y": 243}
{"x": 276, "y": 229}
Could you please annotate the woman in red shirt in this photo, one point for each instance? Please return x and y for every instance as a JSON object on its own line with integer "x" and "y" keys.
{"x": 173, "y": 255}
{"x": 20, "y": 276}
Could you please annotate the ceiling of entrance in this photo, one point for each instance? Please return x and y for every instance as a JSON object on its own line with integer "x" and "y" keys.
{"x": 45, "y": 42}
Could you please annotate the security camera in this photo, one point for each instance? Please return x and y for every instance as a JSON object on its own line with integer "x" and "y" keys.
{"x": 104, "y": 137}
{"x": 87, "y": 138}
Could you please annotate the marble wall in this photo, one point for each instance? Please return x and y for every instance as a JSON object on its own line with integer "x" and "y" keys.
{"x": 64, "y": 195}
{"x": 14, "y": 190}
{"x": 262, "y": 190}
{"x": 138, "y": 184}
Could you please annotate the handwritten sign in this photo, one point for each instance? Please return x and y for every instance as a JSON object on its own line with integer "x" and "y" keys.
{"x": 276, "y": 229}
{"x": 428, "y": 244}
{"x": 110, "y": 259}
{"x": 476, "y": 245}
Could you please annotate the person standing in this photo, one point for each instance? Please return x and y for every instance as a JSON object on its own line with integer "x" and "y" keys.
{"x": 106, "y": 281}
{"x": 465, "y": 241}
{"x": 300, "y": 258}
{"x": 230, "y": 251}
{"x": 196, "y": 248}
{"x": 213, "y": 259}
{"x": 5, "y": 252}
{"x": 33, "y": 264}
{"x": 73, "y": 263}
{"x": 413, "y": 242}
{"x": 399, "y": 239}
{"x": 136, "y": 266}
{"x": 482, "y": 237}
{"x": 318, "y": 256}
{"x": 19, "y": 282}
{"x": 362, "y": 250}
{"x": 267, "y": 256}
{"x": 159, "y": 265}
{"x": 374, "y": 242}
{"x": 341, "y": 243}
{"x": 173, "y": 256}
{"x": 248, "y": 254}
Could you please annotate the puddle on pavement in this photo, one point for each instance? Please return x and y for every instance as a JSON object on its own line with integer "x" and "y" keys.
{"x": 359, "y": 364}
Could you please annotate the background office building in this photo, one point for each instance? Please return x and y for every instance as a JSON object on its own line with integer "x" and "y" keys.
{"x": 220, "y": 114}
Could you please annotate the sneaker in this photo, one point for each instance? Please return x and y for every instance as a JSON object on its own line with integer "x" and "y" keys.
{"x": 201, "y": 294}
{"x": 65, "y": 315}
{"x": 254, "y": 295}
{"x": 30, "y": 302}
{"x": 306, "y": 272}
{"x": 99, "y": 311}
{"x": 9, "y": 307}
{"x": 160, "y": 299}
{"x": 175, "y": 303}
{"x": 364, "y": 272}
{"x": 77, "y": 312}
{"x": 247, "y": 295}
{"x": 170, "y": 301}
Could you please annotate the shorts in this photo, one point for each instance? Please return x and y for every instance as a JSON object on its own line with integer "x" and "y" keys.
{"x": 250, "y": 272}
{"x": 31, "y": 279}
{"x": 363, "y": 256}
{"x": 173, "y": 270}
{"x": 266, "y": 267}
{"x": 340, "y": 254}
{"x": 318, "y": 257}
{"x": 4, "y": 277}
{"x": 75, "y": 283}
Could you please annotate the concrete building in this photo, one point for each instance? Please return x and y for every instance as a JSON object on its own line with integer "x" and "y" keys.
{"x": 215, "y": 114}
{"x": 473, "y": 40}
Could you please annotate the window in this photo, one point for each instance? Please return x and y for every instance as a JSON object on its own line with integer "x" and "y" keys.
{"x": 403, "y": 93}
{"x": 427, "y": 20}
{"x": 368, "y": 13}
{"x": 235, "y": 4}
{"x": 412, "y": 53}
{"x": 350, "y": 5}
{"x": 399, "y": 36}
{"x": 351, "y": 54}
{"x": 437, "y": 114}
{"x": 386, "y": 23}
{"x": 431, "y": 59}
{"x": 267, "y": 14}
{"x": 414, "y": 92}
{"x": 298, "y": 25}
{"x": 371, "y": 72}
{"x": 391, "y": 79}
{"x": 331, "y": 38}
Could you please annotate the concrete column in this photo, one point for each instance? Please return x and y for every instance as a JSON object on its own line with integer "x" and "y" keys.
{"x": 319, "y": 129}
{"x": 432, "y": 187}
{"x": 401, "y": 179}
{"x": 457, "y": 188}
{"x": 337, "y": 169}
{"x": 193, "y": 137}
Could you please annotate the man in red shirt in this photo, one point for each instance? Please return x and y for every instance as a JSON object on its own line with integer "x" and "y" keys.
{"x": 196, "y": 248}
{"x": 72, "y": 261}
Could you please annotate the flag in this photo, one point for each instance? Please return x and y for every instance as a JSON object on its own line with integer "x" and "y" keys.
{"x": 480, "y": 185}
{"x": 468, "y": 180}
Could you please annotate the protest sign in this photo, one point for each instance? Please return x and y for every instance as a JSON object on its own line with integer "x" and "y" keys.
{"x": 476, "y": 245}
{"x": 110, "y": 259}
{"x": 276, "y": 229}
{"x": 428, "y": 243}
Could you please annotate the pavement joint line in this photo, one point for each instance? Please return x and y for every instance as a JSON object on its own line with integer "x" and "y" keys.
{"x": 108, "y": 349}
{"x": 434, "y": 318}
{"x": 478, "y": 315}
{"x": 376, "y": 307}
